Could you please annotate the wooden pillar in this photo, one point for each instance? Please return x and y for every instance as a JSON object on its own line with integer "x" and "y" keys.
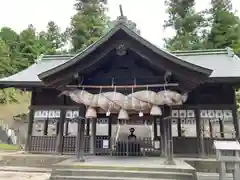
{"x": 59, "y": 143}
{"x": 28, "y": 143}
{"x": 93, "y": 136}
{"x": 235, "y": 116}
{"x": 162, "y": 136}
{"x": 66, "y": 128}
{"x": 236, "y": 123}
{"x": 165, "y": 136}
{"x": 110, "y": 131}
{"x": 168, "y": 134}
{"x": 88, "y": 127}
{"x": 80, "y": 142}
{"x": 199, "y": 129}
{"x": 155, "y": 127}
{"x": 45, "y": 128}
{"x": 110, "y": 126}
{"x": 221, "y": 127}
{"x": 179, "y": 127}
{"x": 57, "y": 127}
{"x": 210, "y": 128}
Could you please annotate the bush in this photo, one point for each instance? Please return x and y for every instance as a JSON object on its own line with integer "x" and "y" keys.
{"x": 8, "y": 95}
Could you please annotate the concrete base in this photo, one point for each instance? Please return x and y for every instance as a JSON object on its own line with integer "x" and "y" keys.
{"x": 124, "y": 168}
{"x": 127, "y": 162}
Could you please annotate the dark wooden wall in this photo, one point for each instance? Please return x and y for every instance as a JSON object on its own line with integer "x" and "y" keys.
{"x": 205, "y": 94}
{"x": 212, "y": 94}
{"x": 47, "y": 96}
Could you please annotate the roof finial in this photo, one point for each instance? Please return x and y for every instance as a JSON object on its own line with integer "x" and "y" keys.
{"x": 121, "y": 10}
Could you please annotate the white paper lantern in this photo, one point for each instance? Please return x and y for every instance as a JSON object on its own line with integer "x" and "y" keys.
{"x": 123, "y": 114}
{"x": 91, "y": 113}
{"x": 155, "y": 111}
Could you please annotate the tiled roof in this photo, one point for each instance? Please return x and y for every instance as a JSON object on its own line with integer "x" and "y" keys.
{"x": 30, "y": 75}
{"x": 222, "y": 62}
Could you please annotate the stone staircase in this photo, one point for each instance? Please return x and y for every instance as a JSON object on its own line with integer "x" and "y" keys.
{"x": 99, "y": 173}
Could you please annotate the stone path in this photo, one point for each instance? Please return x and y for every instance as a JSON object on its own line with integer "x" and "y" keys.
{"x": 212, "y": 176}
{"x": 23, "y": 176}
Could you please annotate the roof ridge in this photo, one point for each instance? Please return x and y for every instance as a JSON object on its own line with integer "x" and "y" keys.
{"x": 201, "y": 52}
{"x": 58, "y": 55}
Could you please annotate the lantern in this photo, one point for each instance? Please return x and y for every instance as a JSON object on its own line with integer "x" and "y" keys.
{"x": 155, "y": 111}
{"x": 123, "y": 114}
{"x": 91, "y": 113}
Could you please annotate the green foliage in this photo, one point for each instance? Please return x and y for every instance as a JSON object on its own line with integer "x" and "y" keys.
{"x": 88, "y": 24}
{"x": 5, "y": 65}
{"x": 225, "y": 26}
{"x": 186, "y": 22}
{"x": 8, "y": 96}
{"x": 215, "y": 28}
{"x": 54, "y": 36}
{"x": 18, "y": 51}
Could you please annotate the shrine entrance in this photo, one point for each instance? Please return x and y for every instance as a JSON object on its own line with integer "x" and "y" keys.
{"x": 128, "y": 81}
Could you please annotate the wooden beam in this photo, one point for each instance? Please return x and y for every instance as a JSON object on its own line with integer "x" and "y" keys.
{"x": 123, "y": 86}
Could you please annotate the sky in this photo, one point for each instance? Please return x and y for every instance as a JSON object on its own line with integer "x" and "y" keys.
{"x": 149, "y": 15}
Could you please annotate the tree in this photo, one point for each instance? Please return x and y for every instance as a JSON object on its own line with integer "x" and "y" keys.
{"x": 54, "y": 35}
{"x": 186, "y": 22}
{"x": 29, "y": 44}
{"x": 11, "y": 39}
{"x": 225, "y": 26}
{"x": 5, "y": 65}
{"x": 88, "y": 24}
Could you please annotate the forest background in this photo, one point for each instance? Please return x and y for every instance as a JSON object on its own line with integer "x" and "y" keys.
{"x": 216, "y": 27}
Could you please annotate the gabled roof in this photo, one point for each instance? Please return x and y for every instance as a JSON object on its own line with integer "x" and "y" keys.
{"x": 29, "y": 76}
{"x": 120, "y": 26}
{"x": 224, "y": 65}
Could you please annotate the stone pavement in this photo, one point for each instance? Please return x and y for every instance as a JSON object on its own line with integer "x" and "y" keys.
{"x": 212, "y": 176}
{"x": 23, "y": 176}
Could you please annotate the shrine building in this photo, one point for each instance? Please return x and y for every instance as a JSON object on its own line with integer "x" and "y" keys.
{"x": 174, "y": 103}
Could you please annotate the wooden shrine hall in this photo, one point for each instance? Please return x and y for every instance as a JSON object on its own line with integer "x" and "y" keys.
{"x": 185, "y": 99}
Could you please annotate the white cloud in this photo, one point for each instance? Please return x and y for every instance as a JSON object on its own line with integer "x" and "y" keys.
{"x": 149, "y": 15}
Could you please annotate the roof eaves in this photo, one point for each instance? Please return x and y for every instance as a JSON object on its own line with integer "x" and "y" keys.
{"x": 6, "y": 84}
{"x": 134, "y": 35}
{"x": 58, "y": 57}
{"x": 166, "y": 54}
{"x": 82, "y": 54}
{"x": 200, "y": 51}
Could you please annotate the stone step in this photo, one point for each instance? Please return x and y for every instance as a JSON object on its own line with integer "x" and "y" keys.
{"x": 99, "y": 178}
{"x": 122, "y": 174}
{"x": 126, "y": 168}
